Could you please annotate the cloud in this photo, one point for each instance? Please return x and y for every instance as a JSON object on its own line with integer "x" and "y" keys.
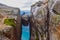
{"x": 22, "y": 4}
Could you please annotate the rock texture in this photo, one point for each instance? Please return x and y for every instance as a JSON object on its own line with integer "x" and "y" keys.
{"x": 41, "y": 24}
{"x": 55, "y": 20}
{"x": 9, "y": 31}
{"x": 25, "y": 19}
{"x": 38, "y": 21}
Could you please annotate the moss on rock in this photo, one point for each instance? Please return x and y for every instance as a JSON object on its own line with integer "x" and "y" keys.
{"x": 9, "y": 22}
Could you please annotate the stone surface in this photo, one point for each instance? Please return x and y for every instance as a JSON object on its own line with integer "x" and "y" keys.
{"x": 25, "y": 19}
{"x": 55, "y": 20}
{"x": 38, "y": 21}
{"x": 57, "y": 7}
{"x": 8, "y": 12}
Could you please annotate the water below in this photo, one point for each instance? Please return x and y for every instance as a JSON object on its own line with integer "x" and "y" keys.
{"x": 25, "y": 29}
{"x": 25, "y": 32}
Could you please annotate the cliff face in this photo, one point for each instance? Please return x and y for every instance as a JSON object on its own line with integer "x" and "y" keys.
{"x": 10, "y": 22}
{"x": 39, "y": 19}
{"x": 55, "y": 20}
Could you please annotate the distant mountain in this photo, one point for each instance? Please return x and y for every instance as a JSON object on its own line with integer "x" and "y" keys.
{"x": 2, "y": 4}
{"x": 26, "y": 12}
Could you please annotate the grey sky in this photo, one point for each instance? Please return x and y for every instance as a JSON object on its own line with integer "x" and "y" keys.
{"x": 22, "y": 4}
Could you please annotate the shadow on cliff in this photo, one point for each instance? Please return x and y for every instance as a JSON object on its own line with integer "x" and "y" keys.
{"x": 25, "y": 19}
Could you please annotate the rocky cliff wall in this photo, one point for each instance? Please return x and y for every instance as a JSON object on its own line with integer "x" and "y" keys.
{"x": 39, "y": 20}
{"x": 10, "y": 19}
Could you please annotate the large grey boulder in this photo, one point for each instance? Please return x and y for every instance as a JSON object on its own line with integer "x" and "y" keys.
{"x": 25, "y": 20}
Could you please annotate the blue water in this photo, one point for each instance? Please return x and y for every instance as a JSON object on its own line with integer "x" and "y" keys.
{"x": 25, "y": 32}
{"x": 25, "y": 29}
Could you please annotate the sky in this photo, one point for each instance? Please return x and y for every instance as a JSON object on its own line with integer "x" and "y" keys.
{"x": 22, "y": 4}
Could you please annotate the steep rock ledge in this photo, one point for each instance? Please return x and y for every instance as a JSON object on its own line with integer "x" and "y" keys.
{"x": 10, "y": 13}
{"x": 38, "y": 20}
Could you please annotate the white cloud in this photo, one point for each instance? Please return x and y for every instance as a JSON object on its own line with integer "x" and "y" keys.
{"x": 22, "y": 4}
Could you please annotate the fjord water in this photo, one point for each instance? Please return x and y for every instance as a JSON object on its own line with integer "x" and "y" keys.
{"x": 25, "y": 32}
{"x": 25, "y": 29}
